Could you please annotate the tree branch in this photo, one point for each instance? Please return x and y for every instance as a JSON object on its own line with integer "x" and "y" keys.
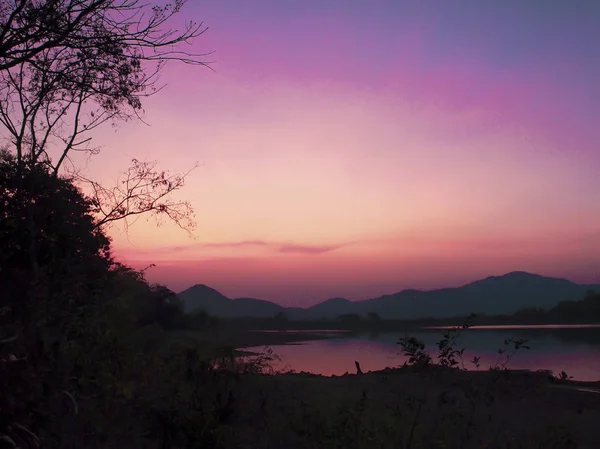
{"x": 143, "y": 190}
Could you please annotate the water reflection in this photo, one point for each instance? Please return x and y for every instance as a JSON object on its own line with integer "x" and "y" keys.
{"x": 573, "y": 350}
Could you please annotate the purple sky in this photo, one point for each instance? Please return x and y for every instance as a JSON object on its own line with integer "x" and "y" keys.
{"x": 354, "y": 148}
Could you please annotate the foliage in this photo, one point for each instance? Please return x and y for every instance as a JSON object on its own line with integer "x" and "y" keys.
{"x": 349, "y": 318}
{"x": 258, "y": 363}
{"x": 78, "y": 330}
{"x": 414, "y": 349}
{"x": 64, "y": 241}
{"x": 449, "y": 355}
{"x": 89, "y": 359}
{"x": 68, "y": 67}
{"x": 81, "y": 63}
{"x": 374, "y": 316}
{"x": 410, "y": 411}
{"x": 28, "y": 28}
{"x": 506, "y": 353}
{"x": 584, "y": 311}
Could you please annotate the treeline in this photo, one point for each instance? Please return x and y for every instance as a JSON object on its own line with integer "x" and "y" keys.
{"x": 85, "y": 358}
{"x": 585, "y": 311}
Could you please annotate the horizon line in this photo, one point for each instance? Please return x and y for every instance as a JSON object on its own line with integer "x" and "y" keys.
{"x": 390, "y": 294}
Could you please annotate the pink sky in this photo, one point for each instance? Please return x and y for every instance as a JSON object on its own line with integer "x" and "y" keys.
{"x": 358, "y": 150}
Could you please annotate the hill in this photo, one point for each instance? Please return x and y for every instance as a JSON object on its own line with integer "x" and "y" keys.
{"x": 493, "y": 295}
{"x": 202, "y": 297}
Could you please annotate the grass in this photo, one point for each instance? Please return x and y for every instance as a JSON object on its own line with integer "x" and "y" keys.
{"x": 434, "y": 407}
{"x": 193, "y": 390}
{"x": 428, "y": 403}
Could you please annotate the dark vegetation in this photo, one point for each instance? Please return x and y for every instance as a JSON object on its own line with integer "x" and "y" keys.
{"x": 585, "y": 311}
{"x": 94, "y": 356}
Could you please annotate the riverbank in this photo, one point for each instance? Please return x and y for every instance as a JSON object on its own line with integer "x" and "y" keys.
{"x": 403, "y": 407}
{"x": 561, "y": 349}
{"x": 240, "y": 339}
{"x": 359, "y": 324}
{"x": 416, "y": 408}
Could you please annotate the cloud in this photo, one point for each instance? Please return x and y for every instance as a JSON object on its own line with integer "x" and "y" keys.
{"x": 307, "y": 249}
{"x": 279, "y": 247}
{"x": 222, "y": 245}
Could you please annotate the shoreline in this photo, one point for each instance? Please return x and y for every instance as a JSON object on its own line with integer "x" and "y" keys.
{"x": 524, "y": 374}
{"x": 518, "y": 404}
{"x": 271, "y": 324}
{"x": 249, "y": 343}
{"x": 588, "y": 386}
{"x": 308, "y": 408}
{"x": 244, "y": 338}
{"x": 249, "y": 339}
{"x": 253, "y": 341}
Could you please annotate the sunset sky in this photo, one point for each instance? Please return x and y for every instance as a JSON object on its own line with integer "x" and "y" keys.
{"x": 353, "y": 148}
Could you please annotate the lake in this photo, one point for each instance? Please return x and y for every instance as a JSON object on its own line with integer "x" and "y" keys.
{"x": 573, "y": 349}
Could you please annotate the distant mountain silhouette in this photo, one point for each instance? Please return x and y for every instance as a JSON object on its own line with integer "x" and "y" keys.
{"x": 201, "y": 297}
{"x": 492, "y": 296}
{"x": 331, "y": 308}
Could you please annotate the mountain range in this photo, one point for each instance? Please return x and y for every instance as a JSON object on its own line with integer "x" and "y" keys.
{"x": 493, "y": 295}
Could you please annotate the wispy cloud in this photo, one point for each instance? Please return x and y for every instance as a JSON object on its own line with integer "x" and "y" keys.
{"x": 308, "y": 249}
{"x": 278, "y": 247}
{"x": 220, "y": 245}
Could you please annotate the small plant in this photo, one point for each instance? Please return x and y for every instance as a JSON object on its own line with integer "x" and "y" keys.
{"x": 507, "y": 352}
{"x": 450, "y": 355}
{"x": 258, "y": 363}
{"x": 414, "y": 349}
{"x": 563, "y": 376}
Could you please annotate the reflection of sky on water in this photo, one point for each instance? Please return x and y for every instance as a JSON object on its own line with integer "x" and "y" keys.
{"x": 579, "y": 357}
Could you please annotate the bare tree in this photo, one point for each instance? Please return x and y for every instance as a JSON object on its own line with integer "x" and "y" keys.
{"x": 70, "y": 66}
{"x": 143, "y": 189}
{"x": 30, "y": 27}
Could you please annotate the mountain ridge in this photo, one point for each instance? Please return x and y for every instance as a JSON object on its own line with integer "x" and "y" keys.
{"x": 493, "y": 295}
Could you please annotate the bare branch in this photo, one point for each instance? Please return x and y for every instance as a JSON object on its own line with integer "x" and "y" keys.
{"x": 68, "y": 67}
{"x": 142, "y": 189}
{"x": 83, "y": 62}
{"x": 32, "y": 28}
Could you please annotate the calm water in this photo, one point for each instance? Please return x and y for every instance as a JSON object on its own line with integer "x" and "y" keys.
{"x": 573, "y": 349}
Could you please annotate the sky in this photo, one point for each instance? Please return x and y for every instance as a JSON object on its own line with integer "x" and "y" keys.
{"x": 353, "y": 148}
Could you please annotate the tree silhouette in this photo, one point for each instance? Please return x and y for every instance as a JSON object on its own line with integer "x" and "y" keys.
{"x": 143, "y": 189}
{"x": 374, "y": 316}
{"x": 29, "y": 28}
{"x": 349, "y": 317}
{"x": 74, "y": 323}
{"x": 69, "y": 66}
{"x": 281, "y": 316}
